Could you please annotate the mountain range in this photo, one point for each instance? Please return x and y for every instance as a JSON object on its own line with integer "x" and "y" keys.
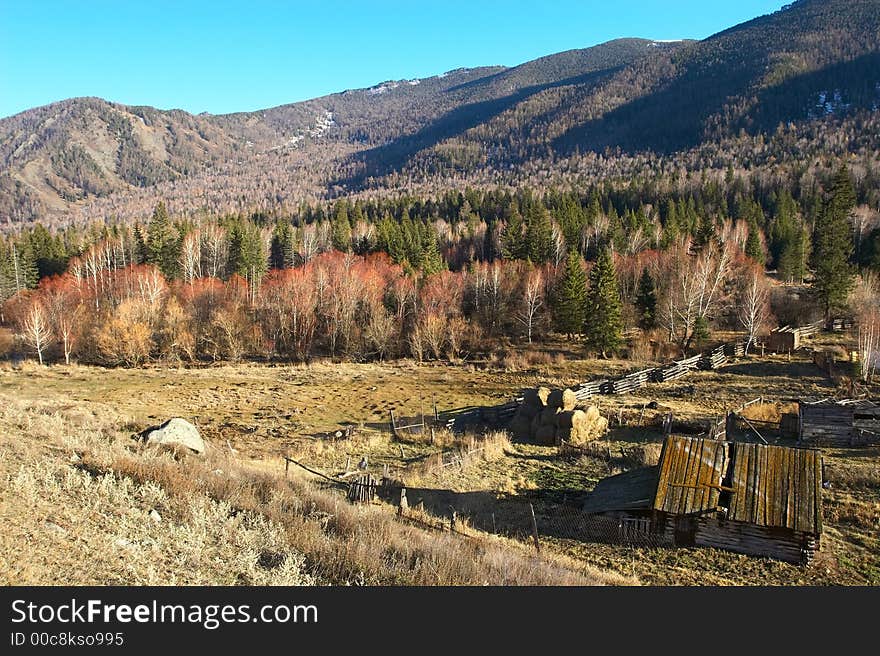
{"x": 814, "y": 62}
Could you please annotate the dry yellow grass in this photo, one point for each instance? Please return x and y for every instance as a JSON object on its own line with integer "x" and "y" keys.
{"x": 77, "y": 499}
{"x": 265, "y": 411}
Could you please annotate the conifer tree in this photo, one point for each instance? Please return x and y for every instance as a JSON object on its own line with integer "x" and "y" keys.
{"x": 141, "y": 253}
{"x": 162, "y": 242}
{"x": 754, "y": 248}
{"x": 431, "y": 259}
{"x": 539, "y": 235}
{"x": 834, "y": 274}
{"x": 341, "y": 228}
{"x": 604, "y": 325}
{"x": 513, "y": 244}
{"x": 646, "y": 301}
{"x": 281, "y": 250}
{"x": 570, "y": 296}
{"x": 48, "y": 252}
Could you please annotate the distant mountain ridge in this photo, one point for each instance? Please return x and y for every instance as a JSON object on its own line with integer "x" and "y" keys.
{"x": 812, "y": 60}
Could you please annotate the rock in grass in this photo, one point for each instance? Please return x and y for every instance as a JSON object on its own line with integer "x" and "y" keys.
{"x": 176, "y": 433}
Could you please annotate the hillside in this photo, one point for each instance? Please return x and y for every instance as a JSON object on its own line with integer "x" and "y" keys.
{"x": 815, "y": 62}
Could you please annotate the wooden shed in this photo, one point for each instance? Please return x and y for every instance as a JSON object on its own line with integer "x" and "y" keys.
{"x": 784, "y": 339}
{"x": 835, "y": 423}
{"x": 748, "y": 498}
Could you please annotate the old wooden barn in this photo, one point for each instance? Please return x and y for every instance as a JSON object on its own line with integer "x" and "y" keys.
{"x": 835, "y": 423}
{"x": 748, "y": 498}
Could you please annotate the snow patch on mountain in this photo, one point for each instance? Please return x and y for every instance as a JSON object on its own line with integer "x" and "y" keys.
{"x": 323, "y": 122}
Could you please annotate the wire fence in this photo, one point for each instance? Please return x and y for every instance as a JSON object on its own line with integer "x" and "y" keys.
{"x": 522, "y": 521}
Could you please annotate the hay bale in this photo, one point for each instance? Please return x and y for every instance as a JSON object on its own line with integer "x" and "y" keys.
{"x": 543, "y": 394}
{"x": 579, "y": 427}
{"x": 548, "y": 417}
{"x": 592, "y": 413}
{"x": 545, "y": 435}
{"x": 569, "y": 400}
{"x": 520, "y": 428}
{"x": 528, "y": 410}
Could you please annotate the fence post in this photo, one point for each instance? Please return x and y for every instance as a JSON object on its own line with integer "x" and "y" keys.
{"x": 452, "y": 521}
{"x": 403, "y": 505}
{"x": 286, "y": 466}
{"x": 535, "y": 529}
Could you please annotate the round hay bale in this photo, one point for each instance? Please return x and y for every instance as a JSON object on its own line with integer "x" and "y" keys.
{"x": 569, "y": 400}
{"x": 583, "y": 429}
{"x": 536, "y": 424}
{"x": 564, "y": 419}
{"x": 520, "y": 428}
{"x": 546, "y": 435}
{"x": 543, "y": 394}
{"x": 529, "y": 411}
{"x": 548, "y": 417}
{"x": 592, "y": 413}
{"x": 530, "y": 397}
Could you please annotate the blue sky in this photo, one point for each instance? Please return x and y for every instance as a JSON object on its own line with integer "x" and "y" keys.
{"x": 221, "y": 56}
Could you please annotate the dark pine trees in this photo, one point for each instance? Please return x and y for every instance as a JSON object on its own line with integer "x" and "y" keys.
{"x": 604, "y": 324}
{"x": 163, "y": 242}
{"x": 569, "y": 298}
{"x": 834, "y": 274}
{"x": 646, "y": 301}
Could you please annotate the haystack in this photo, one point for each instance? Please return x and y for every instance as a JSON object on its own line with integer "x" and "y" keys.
{"x": 548, "y": 416}
{"x": 579, "y": 427}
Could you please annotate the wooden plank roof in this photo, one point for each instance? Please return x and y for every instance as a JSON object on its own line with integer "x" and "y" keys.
{"x": 691, "y": 472}
{"x": 769, "y": 486}
{"x": 776, "y": 486}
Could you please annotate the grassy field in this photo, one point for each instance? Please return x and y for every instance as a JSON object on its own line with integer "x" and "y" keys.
{"x": 263, "y": 412}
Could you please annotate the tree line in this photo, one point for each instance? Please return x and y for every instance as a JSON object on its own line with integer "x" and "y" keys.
{"x": 427, "y": 278}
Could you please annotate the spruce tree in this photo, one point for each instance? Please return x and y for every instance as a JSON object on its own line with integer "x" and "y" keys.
{"x": 513, "y": 244}
{"x": 754, "y": 248}
{"x": 163, "y": 242}
{"x": 604, "y": 325}
{"x": 834, "y": 274}
{"x": 539, "y": 235}
{"x": 646, "y": 301}
{"x": 570, "y": 296}
{"x": 141, "y": 253}
{"x": 281, "y": 250}
{"x": 341, "y": 228}
{"x": 431, "y": 259}
{"x": 48, "y": 252}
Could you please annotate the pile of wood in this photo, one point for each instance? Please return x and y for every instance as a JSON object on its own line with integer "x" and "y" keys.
{"x": 676, "y": 370}
{"x": 713, "y": 359}
{"x": 629, "y": 383}
{"x": 550, "y": 417}
{"x": 592, "y": 388}
{"x": 840, "y": 323}
{"x": 735, "y": 349}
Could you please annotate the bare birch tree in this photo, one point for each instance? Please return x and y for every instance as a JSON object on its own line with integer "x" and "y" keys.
{"x": 36, "y": 330}
{"x": 752, "y": 309}
{"x": 532, "y": 300}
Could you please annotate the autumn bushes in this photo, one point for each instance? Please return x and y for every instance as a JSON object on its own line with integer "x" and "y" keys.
{"x": 338, "y": 305}
{"x": 347, "y": 306}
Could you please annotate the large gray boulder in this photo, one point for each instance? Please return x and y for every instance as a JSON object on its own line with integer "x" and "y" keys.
{"x": 176, "y": 433}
